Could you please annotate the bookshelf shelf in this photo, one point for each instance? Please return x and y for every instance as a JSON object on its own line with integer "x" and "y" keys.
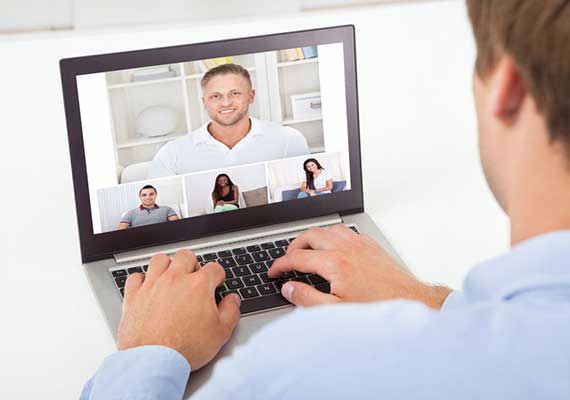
{"x": 144, "y": 83}
{"x": 292, "y": 121}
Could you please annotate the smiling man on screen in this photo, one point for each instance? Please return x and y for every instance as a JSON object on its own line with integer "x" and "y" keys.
{"x": 384, "y": 334}
{"x": 232, "y": 137}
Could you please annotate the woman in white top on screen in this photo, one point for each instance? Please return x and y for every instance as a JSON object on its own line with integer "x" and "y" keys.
{"x": 318, "y": 180}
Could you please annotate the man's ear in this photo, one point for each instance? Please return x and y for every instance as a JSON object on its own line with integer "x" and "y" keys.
{"x": 251, "y": 96}
{"x": 508, "y": 91}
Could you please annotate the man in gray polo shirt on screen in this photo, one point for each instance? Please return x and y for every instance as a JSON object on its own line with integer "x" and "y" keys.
{"x": 148, "y": 212}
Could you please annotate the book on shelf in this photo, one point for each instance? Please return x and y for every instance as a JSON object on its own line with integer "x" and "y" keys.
{"x": 310, "y": 52}
{"x": 300, "y": 53}
{"x": 291, "y": 55}
{"x": 207, "y": 65}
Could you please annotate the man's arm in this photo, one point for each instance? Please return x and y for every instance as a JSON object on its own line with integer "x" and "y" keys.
{"x": 123, "y": 225}
{"x": 172, "y": 309}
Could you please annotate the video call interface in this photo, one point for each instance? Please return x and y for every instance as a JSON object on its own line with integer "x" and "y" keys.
{"x": 182, "y": 140}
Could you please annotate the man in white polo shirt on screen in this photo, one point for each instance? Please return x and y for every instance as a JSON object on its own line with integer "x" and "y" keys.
{"x": 232, "y": 137}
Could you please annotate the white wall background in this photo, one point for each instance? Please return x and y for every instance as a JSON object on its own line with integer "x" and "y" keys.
{"x": 115, "y": 201}
{"x": 199, "y": 187}
{"x": 289, "y": 173}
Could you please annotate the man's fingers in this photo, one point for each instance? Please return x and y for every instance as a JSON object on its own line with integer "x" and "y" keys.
{"x": 133, "y": 284}
{"x": 313, "y": 261}
{"x": 318, "y": 239}
{"x": 157, "y": 266}
{"x": 184, "y": 261}
{"x": 229, "y": 312}
{"x": 216, "y": 274}
{"x": 343, "y": 231}
{"x": 304, "y": 295}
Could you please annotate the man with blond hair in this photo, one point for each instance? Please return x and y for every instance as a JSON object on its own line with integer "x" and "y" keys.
{"x": 231, "y": 137}
{"x": 383, "y": 333}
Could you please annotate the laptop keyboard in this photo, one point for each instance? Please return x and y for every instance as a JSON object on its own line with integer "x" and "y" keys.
{"x": 246, "y": 274}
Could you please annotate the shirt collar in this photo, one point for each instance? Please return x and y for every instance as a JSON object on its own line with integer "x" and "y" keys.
{"x": 538, "y": 263}
{"x": 141, "y": 207}
{"x": 202, "y": 135}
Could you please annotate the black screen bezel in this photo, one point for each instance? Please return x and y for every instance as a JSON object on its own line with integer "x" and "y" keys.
{"x": 103, "y": 245}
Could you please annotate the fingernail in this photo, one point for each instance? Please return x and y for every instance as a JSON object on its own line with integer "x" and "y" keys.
{"x": 287, "y": 291}
{"x": 237, "y": 299}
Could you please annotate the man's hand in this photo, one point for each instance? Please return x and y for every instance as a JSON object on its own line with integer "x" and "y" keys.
{"x": 174, "y": 306}
{"x": 358, "y": 270}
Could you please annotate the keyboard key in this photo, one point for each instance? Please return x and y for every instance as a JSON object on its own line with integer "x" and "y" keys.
{"x": 218, "y": 298}
{"x": 122, "y": 290}
{"x": 253, "y": 249}
{"x": 241, "y": 271}
{"x": 291, "y": 239}
{"x": 316, "y": 279}
{"x": 266, "y": 288}
{"x": 278, "y": 284}
{"x": 244, "y": 259}
{"x": 267, "y": 246}
{"x": 282, "y": 243}
{"x": 202, "y": 263}
{"x": 229, "y": 273}
{"x": 269, "y": 263}
{"x": 227, "y": 262}
{"x": 119, "y": 272}
{"x": 323, "y": 287}
{"x": 260, "y": 256}
{"x": 251, "y": 280}
{"x": 257, "y": 268}
{"x": 221, "y": 288}
{"x": 145, "y": 268}
{"x": 276, "y": 253}
{"x": 234, "y": 283}
{"x": 133, "y": 270}
{"x": 265, "y": 278}
{"x": 199, "y": 258}
{"x": 120, "y": 281}
{"x": 210, "y": 256}
{"x": 224, "y": 253}
{"x": 262, "y": 303}
{"x": 299, "y": 273}
{"x": 239, "y": 251}
{"x": 249, "y": 292}
{"x": 303, "y": 279}
{"x": 354, "y": 229}
{"x": 288, "y": 274}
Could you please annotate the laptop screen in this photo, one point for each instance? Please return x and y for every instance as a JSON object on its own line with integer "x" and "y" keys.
{"x": 172, "y": 141}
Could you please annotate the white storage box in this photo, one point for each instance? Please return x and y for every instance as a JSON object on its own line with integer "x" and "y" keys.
{"x": 306, "y": 106}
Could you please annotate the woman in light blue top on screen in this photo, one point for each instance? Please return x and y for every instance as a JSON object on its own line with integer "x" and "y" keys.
{"x": 225, "y": 195}
{"x": 318, "y": 180}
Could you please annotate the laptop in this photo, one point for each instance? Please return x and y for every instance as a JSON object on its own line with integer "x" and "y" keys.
{"x": 152, "y": 174}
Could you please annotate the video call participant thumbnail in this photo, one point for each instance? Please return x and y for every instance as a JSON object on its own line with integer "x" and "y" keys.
{"x": 318, "y": 181}
{"x": 225, "y": 195}
{"x": 148, "y": 212}
{"x": 232, "y": 137}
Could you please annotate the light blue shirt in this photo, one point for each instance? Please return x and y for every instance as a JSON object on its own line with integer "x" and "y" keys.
{"x": 506, "y": 336}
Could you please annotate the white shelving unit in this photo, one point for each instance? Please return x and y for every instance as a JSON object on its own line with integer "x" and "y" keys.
{"x": 273, "y": 81}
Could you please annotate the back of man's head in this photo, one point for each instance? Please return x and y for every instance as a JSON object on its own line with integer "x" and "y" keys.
{"x": 536, "y": 35}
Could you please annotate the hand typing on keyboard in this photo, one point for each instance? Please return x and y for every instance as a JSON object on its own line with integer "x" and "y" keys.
{"x": 358, "y": 270}
{"x": 174, "y": 306}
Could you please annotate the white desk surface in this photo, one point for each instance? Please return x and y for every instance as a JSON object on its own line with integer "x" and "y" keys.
{"x": 423, "y": 183}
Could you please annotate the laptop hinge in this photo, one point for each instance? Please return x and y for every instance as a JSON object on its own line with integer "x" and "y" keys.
{"x": 228, "y": 238}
